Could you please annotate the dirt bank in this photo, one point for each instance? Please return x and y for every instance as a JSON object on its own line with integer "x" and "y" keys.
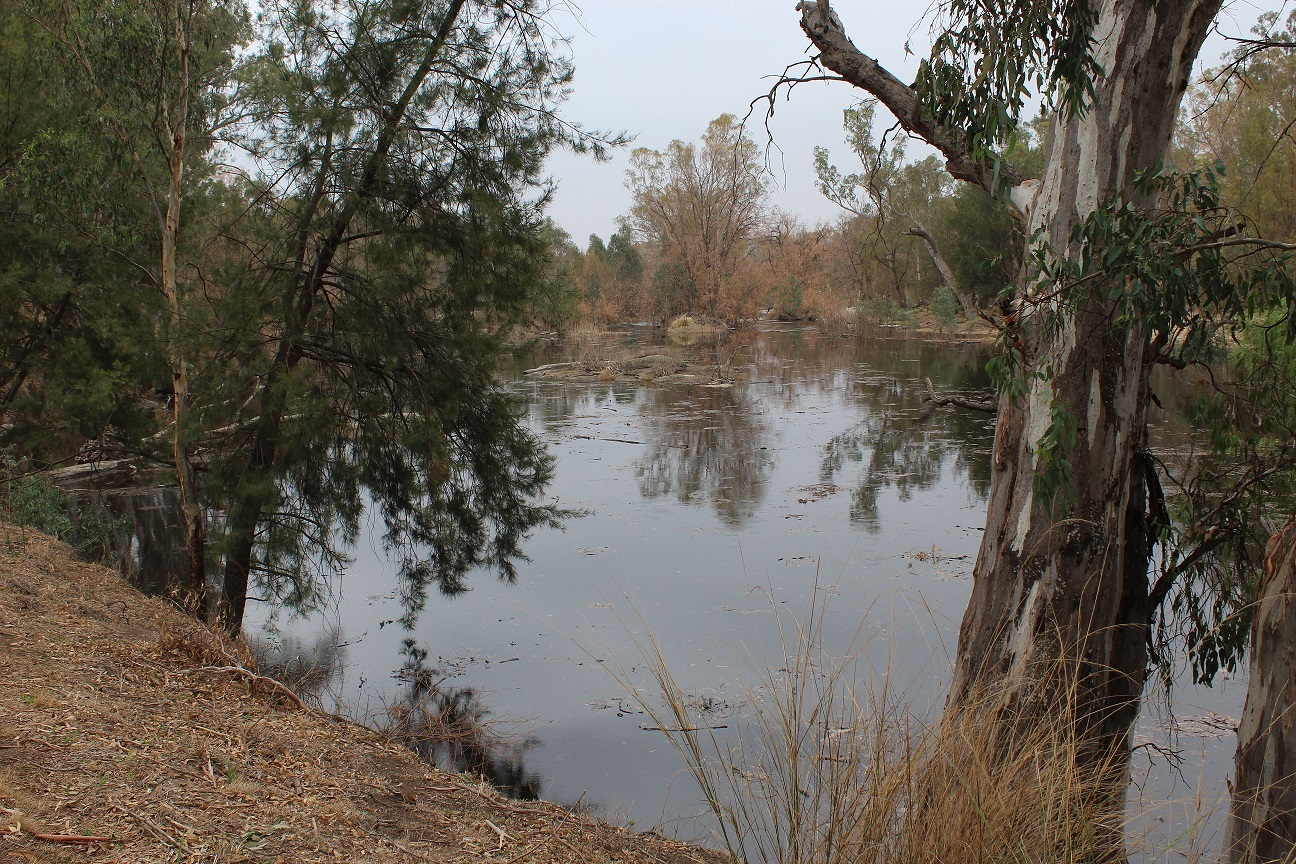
{"x": 130, "y": 734}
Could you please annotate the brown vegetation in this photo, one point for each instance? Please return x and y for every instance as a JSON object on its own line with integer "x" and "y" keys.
{"x": 835, "y": 769}
{"x": 130, "y": 733}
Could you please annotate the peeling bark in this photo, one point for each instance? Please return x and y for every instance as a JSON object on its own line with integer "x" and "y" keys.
{"x": 1262, "y": 819}
{"x": 1053, "y": 591}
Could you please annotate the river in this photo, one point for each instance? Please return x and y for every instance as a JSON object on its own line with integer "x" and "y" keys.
{"x": 713, "y": 517}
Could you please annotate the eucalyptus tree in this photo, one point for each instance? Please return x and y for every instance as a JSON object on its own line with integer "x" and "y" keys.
{"x": 1126, "y": 266}
{"x": 893, "y": 197}
{"x": 394, "y": 231}
{"x": 1242, "y": 114}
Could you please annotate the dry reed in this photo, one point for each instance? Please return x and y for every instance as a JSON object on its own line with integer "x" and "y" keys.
{"x": 832, "y": 767}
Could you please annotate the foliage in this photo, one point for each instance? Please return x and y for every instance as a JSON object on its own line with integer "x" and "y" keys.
{"x": 1193, "y": 275}
{"x": 29, "y": 500}
{"x": 979, "y": 240}
{"x": 74, "y": 328}
{"x": 671, "y": 289}
{"x": 399, "y": 155}
{"x": 989, "y": 58}
{"x": 624, "y": 258}
{"x": 944, "y": 306}
{"x": 700, "y": 206}
{"x": 893, "y": 201}
{"x": 350, "y": 279}
{"x": 1242, "y": 114}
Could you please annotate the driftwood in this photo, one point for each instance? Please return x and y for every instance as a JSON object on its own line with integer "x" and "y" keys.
{"x": 549, "y": 367}
{"x": 104, "y": 474}
{"x": 985, "y": 406}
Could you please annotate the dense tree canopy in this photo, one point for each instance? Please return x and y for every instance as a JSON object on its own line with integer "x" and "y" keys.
{"x": 363, "y": 221}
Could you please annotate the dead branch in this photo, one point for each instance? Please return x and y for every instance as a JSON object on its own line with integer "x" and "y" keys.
{"x": 942, "y": 266}
{"x": 985, "y": 406}
{"x": 71, "y": 838}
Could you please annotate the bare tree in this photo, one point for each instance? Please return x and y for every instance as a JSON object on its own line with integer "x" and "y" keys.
{"x": 701, "y": 205}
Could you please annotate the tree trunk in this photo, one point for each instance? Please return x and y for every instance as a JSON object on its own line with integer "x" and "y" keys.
{"x": 1053, "y": 591}
{"x": 194, "y": 535}
{"x": 1262, "y": 820}
{"x": 943, "y": 268}
{"x": 1066, "y": 592}
{"x": 1049, "y": 588}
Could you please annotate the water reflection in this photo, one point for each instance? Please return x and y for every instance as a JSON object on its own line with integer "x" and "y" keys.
{"x": 450, "y": 728}
{"x": 903, "y": 442}
{"x": 705, "y": 444}
{"x": 313, "y": 669}
{"x": 806, "y": 415}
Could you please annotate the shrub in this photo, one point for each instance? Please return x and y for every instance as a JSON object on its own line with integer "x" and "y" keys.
{"x": 28, "y": 500}
{"x": 944, "y": 305}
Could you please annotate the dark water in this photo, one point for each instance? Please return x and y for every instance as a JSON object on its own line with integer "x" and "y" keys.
{"x": 714, "y": 517}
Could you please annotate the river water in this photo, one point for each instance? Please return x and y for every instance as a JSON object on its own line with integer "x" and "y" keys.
{"x": 714, "y": 516}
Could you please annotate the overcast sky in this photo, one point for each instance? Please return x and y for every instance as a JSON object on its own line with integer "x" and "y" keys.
{"x": 662, "y": 69}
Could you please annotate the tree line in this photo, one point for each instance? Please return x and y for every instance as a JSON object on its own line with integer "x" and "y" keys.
{"x": 701, "y": 238}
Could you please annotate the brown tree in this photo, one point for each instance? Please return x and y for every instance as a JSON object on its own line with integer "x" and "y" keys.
{"x": 701, "y": 206}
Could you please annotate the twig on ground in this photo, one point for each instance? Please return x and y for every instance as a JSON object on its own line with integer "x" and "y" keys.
{"x": 254, "y": 678}
{"x": 77, "y": 839}
{"x": 500, "y": 831}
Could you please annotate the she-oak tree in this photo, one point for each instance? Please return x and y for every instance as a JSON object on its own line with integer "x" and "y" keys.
{"x": 1126, "y": 264}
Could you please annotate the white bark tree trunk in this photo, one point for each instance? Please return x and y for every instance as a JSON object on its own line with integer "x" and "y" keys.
{"x": 170, "y": 228}
{"x": 1262, "y": 820}
{"x": 1075, "y": 588}
{"x": 1047, "y": 588}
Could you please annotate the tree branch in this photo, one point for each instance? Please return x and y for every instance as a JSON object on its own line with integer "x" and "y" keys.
{"x": 942, "y": 266}
{"x": 985, "y": 406}
{"x": 839, "y": 54}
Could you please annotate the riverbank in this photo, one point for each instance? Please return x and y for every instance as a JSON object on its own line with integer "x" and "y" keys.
{"x": 707, "y": 354}
{"x": 128, "y": 733}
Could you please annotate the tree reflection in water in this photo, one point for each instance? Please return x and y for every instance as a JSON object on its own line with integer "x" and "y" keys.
{"x": 450, "y": 728}
{"x": 903, "y": 442}
{"x": 311, "y": 670}
{"x": 705, "y": 444}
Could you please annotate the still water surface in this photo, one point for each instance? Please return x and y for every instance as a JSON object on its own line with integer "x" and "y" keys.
{"x": 712, "y": 515}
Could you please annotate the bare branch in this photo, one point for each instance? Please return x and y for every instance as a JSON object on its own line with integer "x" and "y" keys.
{"x": 839, "y": 54}
{"x": 985, "y": 406}
{"x": 942, "y": 266}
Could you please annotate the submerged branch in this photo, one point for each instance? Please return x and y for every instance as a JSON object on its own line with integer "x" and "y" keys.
{"x": 985, "y": 406}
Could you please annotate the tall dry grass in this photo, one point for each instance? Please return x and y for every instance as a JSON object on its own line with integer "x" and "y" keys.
{"x": 832, "y": 767}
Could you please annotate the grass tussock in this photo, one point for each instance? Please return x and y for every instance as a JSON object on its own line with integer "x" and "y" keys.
{"x": 830, "y": 766}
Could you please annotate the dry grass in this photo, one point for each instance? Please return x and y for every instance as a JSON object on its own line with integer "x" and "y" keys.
{"x": 833, "y": 769}
{"x": 122, "y": 719}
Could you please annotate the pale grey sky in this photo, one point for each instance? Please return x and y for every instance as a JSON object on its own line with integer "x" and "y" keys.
{"x": 663, "y": 69}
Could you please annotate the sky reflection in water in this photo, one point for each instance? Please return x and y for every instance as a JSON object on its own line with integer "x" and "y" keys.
{"x": 710, "y": 512}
